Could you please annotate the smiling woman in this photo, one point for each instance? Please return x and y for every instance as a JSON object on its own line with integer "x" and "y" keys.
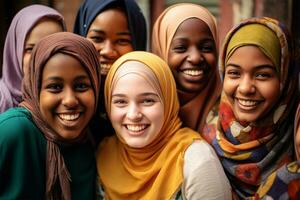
{"x": 46, "y": 139}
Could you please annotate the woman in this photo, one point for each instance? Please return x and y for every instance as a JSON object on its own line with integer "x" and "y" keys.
{"x": 151, "y": 156}
{"x": 185, "y": 36}
{"x": 253, "y": 135}
{"x": 45, "y": 149}
{"x": 27, "y": 27}
{"x": 115, "y": 27}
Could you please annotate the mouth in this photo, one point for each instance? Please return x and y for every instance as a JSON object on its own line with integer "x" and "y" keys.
{"x": 105, "y": 68}
{"x": 193, "y": 72}
{"x": 247, "y": 104}
{"x": 69, "y": 120}
{"x": 136, "y": 129}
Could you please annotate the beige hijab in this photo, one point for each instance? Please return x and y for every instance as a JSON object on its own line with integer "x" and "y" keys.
{"x": 194, "y": 112}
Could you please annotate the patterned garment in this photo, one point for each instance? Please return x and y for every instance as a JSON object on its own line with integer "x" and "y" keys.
{"x": 250, "y": 152}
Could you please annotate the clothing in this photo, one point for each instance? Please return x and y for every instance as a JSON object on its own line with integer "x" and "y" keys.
{"x": 89, "y": 10}
{"x": 194, "y": 112}
{"x": 23, "y": 160}
{"x": 250, "y": 152}
{"x": 12, "y": 68}
{"x": 84, "y": 51}
{"x": 155, "y": 170}
{"x": 201, "y": 165}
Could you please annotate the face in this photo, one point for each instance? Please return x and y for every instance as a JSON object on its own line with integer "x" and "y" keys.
{"x": 297, "y": 141}
{"x": 251, "y": 83}
{"x": 67, "y": 99}
{"x": 136, "y": 115}
{"x": 44, "y": 27}
{"x": 111, "y": 41}
{"x": 192, "y": 55}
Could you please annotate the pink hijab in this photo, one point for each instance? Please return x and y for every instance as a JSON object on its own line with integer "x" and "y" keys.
{"x": 194, "y": 112}
{"x": 12, "y": 72}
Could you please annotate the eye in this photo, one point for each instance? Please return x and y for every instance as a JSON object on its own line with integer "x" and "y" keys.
{"x": 54, "y": 87}
{"x": 119, "y": 102}
{"x": 207, "y": 48}
{"x": 96, "y": 38}
{"x": 82, "y": 86}
{"x": 124, "y": 42}
{"x": 148, "y": 101}
{"x": 263, "y": 75}
{"x": 231, "y": 73}
{"x": 28, "y": 49}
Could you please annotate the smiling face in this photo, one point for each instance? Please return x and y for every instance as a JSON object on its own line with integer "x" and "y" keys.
{"x": 67, "y": 99}
{"x": 137, "y": 115}
{"x": 251, "y": 83}
{"x": 192, "y": 55}
{"x": 44, "y": 27}
{"x": 110, "y": 35}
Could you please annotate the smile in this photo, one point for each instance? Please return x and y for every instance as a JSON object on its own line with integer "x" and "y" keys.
{"x": 69, "y": 117}
{"x": 105, "y": 66}
{"x": 247, "y": 104}
{"x": 136, "y": 128}
{"x": 193, "y": 72}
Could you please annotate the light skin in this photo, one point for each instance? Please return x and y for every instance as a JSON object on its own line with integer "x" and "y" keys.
{"x": 67, "y": 99}
{"x": 251, "y": 83}
{"x": 110, "y": 35}
{"x": 192, "y": 55}
{"x": 136, "y": 115}
{"x": 44, "y": 27}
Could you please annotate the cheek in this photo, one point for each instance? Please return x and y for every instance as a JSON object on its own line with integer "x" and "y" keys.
{"x": 211, "y": 59}
{"x": 270, "y": 91}
{"x": 174, "y": 60}
{"x": 229, "y": 86}
{"x": 124, "y": 49}
{"x": 25, "y": 64}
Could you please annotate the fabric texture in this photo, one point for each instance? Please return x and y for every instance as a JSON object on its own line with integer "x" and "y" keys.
{"x": 89, "y": 10}
{"x": 23, "y": 160}
{"x": 12, "y": 69}
{"x": 156, "y": 170}
{"x": 194, "y": 112}
{"x": 250, "y": 152}
{"x": 84, "y": 51}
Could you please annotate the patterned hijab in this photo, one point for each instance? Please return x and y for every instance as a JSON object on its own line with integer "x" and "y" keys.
{"x": 12, "y": 69}
{"x": 194, "y": 112}
{"x": 154, "y": 171}
{"x": 84, "y": 51}
{"x": 249, "y": 152}
{"x": 89, "y": 10}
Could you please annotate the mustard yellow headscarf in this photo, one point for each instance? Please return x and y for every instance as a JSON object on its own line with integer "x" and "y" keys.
{"x": 155, "y": 171}
{"x": 258, "y": 35}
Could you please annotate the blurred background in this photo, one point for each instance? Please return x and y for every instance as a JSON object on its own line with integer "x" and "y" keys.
{"x": 227, "y": 13}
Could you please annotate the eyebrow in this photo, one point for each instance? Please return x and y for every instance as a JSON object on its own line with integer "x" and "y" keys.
{"x": 57, "y": 78}
{"x": 256, "y": 67}
{"x": 102, "y": 32}
{"x": 142, "y": 95}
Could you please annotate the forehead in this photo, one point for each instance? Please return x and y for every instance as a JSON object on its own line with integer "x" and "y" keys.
{"x": 195, "y": 26}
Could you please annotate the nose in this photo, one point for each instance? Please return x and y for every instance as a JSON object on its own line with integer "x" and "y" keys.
{"x": 246, "y": 85}
{"x": 70, "y": 99}
{"x": 108, "y": 50}
{"x": 133, "y": 113}
{"x": 194, "y": 56}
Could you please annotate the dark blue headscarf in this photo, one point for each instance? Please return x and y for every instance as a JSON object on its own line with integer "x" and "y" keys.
{"x": 89, "y": 10}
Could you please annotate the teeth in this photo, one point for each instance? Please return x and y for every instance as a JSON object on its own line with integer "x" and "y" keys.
{"x": 247, "y": 102}
{"x": 69, "y": 117}
{"x": 193, "y": 72}
{"x": 136, "y": 128}
{"x": 105, "y": 66}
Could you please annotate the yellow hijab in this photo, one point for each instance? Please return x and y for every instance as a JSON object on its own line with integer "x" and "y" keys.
{"x": 155, "y": 171}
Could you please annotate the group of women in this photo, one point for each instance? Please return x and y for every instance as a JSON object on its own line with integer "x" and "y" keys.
{"x": 92, "y": 115}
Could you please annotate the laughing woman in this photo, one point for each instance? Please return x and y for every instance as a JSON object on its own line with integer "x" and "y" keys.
{"x": 151, "y": 156}
{"x": 115, "y": 27}
{"x": 45, "y": 149}
{"x": 253, "y": 135}
{"x": 185, "y": 36}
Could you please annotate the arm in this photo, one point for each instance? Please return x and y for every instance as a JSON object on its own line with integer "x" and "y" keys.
{"x": 204, "y": 177}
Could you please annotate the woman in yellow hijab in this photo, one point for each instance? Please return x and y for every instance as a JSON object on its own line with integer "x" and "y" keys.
{"x": 152, "y": 156}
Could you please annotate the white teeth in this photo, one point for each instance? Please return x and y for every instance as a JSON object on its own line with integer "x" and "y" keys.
{"x": 247, "y": 102}
{"x": 135, "y": 128}
{"x": 105, "y": 66}
{"x": 193, "y": 72}
{"x": 69, "y": 117}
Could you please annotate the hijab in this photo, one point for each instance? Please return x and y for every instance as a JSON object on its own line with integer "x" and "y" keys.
{"x": 12, "y": 68}
{"x": 89, "y": 10}
{"x": 249, "y": 152}
{"x": 156, "y": 170}
{"x": 194, "y": 112}
{"x": 85, "y": 52}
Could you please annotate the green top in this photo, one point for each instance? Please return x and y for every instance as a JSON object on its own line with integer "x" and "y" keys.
{"x": 23, "y": 160}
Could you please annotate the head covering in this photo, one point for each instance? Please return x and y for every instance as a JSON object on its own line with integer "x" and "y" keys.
{"x": 12, "y": 69}
{"x": 297, "y": 126}
{"x": 249, "y": 152}
{"x": 156, "y": 170}
{"x": 260, "y": 36}
{"x": 84, "y": 51}
{"x": 89, "y": 10}
{"x": 193, "y": 112}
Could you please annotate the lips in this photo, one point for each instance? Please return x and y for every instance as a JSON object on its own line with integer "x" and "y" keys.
{"x": 193, "y": 72}
{"x": 247, "y": 104}
{"x": 69, "y": 120}
{"x": 136, "y": 129}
